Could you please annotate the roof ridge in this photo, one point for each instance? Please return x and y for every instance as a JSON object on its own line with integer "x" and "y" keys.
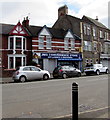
{"x": 96, "y": 22}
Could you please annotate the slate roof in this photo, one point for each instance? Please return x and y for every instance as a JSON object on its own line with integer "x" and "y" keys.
{"x": 35, "y": 30}
{"x": 5, "y": 28}
{"x": 97, "y": 23}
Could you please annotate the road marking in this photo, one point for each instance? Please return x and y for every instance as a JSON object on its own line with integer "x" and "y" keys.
{"x": 88, "y": 111}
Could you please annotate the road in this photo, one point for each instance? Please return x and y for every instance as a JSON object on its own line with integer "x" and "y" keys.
{"x": 52, "y": 98}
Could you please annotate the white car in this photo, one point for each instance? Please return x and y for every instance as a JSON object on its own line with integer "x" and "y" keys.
{"x": 24, "y": 73}
{"x": 97, "y": 69}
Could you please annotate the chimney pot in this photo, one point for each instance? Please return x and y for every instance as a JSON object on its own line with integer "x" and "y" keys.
{"x": 25, "y": 22}
{"x": 97, "y": 18}
{"x": 63, "y": 11}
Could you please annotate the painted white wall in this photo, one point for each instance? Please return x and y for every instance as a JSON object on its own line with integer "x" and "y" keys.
{"x": 45, "y": 32}
{"x": 69, "y": 35}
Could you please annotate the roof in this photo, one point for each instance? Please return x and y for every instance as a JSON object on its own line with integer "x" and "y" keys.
{"x": 5, "y": 28}
{"x": 35, "y": 30}
{"x": 96, "y": 22}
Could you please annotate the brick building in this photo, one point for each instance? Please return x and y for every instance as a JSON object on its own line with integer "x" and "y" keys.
{"x": 95, "y": 36}
{"x": 71, "y": 40}
{"x": 48, "y": 47}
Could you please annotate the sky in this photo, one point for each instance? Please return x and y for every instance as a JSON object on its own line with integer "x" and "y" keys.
{"x": 45, "y": 12}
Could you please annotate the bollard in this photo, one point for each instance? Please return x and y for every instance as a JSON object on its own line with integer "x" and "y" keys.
{"x": 74, "y": 101}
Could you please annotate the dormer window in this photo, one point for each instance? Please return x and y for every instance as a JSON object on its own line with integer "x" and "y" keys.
{"x": 69, "y": 41}
{"x": 44, "y": 39}
{"x": 48, "y": 42}
{"x": 41, "y": 42}
{"x": 66, "y": 41}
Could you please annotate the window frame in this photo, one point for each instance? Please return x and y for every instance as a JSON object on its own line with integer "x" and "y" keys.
{"x": 41, "y": 42}
{"x": 14, "y": 44}
{"x": 48, "y": 42}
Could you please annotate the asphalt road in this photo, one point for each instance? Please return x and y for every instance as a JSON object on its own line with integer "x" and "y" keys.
{"x": 53, "y": 98}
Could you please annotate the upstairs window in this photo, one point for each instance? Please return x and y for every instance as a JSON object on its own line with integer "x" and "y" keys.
{"x": 87, "y": 46}
{"x": 66, "y": 42}
{"x": 87, "y": 29}
{"x": 95, "y": 46}
{"x": 11, "y": 43}
{"x": 106, "y": 36}
{"x": 94, "y": 31}
{"x": 101, "y": 34}
{"x": 69, "y": 43}
{"x": 48, "y": 42}
{"x": 41, "y": 42}
{"x": 16, "y": 42}
{"x": 72, "y": 43}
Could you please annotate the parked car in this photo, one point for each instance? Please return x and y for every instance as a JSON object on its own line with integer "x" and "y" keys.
{"x": 66, "y": 71}
{"x": 24, "y": 73}
{"x": 96, "y": 68}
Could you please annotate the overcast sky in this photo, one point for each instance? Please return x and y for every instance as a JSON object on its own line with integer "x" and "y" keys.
{"x": 45, "y": 12}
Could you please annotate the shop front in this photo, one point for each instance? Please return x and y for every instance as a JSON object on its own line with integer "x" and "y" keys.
{"x": 51, "y": 60}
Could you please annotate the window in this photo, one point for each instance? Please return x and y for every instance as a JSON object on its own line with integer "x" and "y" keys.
{"x": 101, "y": 47}
{"x": 95, "y": 46}
{"x": 69, "y": 42}
{"x": 101, "y": 34}
{"x": 18, "y": 61}
{"x": 35, "y": 69}
{"x": 24, "y": 43}
{"x": 87, "y": 29}
{"x": 26, "y": 69}
{"x": 87, "y": 46}
{"x": 66, "y": 41}
{"x": 94, "y": 31}
{"x": 107, "y": 48}
{"x": 72, "y": 43}
{"x": 17, "y": 42}
{"x": 11, "y": 43}
{"x": 15, "y": 61}
{"x": 41, "y": 42}
{"x": 48, "y": 40}
{"x": 11, "y": 62}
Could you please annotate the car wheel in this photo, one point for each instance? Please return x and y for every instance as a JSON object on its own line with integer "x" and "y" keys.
{"x": 64, "y": 75}
{"x": 45, "y": 77}
{"x": 97, "y": 72}
{"x": 107, "y": 71}
{"x": 22, "y": 79}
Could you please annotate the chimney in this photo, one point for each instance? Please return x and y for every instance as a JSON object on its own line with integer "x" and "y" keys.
{"x": 97, "y": 18}
{"x": 25, "y": 22}
{"x": 62, "y": 11}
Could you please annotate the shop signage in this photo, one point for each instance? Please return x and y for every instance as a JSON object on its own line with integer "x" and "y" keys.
{"x": 61, "y": 56}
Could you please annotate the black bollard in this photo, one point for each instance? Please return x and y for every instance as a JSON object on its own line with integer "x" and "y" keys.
{"x": 74, "y": 101}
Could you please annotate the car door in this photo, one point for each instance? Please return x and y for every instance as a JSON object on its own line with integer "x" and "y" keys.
{"x": 36, "y": 73}
{"x": 27, "y": 72}
{"x": 72, "y": 71}
{"x": 66, "y": 70}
